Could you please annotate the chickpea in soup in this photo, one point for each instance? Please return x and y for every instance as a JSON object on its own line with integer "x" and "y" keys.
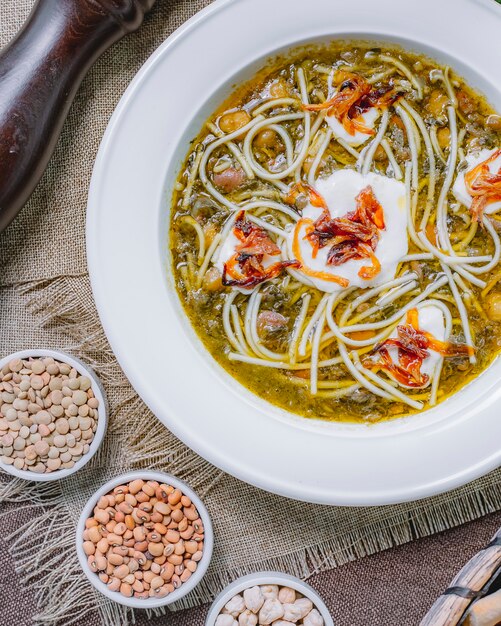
{"x": 334, "y": 233}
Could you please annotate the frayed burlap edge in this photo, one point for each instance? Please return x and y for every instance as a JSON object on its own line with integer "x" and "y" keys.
{"x": 48, "y": 539}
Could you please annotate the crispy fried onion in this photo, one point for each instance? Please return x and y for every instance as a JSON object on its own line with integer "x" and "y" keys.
{"x": 413, "y": 347}
{"x": 245, "y": 268}
{"x": 354, "y": 236}
{"x": 352, "y": 99}
{"x": 303, "y": 189}
{"x": 483, "y": 186}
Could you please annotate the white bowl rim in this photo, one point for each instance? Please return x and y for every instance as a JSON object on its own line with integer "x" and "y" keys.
{"x": 99, "y": 392}
{"x": 185, "y": 588}
{"x": 268, "y": 578}
{"x": 402, "y": 476}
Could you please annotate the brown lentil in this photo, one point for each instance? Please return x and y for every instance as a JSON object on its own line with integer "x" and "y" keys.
{"x": 36, "y": 434}
{"x": 134, "y": 539}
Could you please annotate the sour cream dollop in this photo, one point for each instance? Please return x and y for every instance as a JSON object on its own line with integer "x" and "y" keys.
{"x": 228, "y": 250}
{"x": 473, "y": 159}
{"x": 430, "y": 320}
{"x": 368, "y": 119}
{"x": 339, "y": 191}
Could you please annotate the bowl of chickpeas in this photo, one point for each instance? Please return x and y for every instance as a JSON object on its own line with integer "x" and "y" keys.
{"x": 265, "y": 598}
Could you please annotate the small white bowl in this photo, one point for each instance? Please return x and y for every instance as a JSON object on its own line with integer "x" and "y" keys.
{"x": 100, "y": 394}
{"x": 185, "y": 588}
{"x": 267, "y": 578}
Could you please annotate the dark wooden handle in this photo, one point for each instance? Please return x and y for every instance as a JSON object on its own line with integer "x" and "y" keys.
{"x": 40, "y": 71}
{"x": 470, "y": 584}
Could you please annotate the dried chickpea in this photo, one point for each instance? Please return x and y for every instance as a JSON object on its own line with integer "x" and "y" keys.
{"x": 493, "y": 306}
{"x": 437, "y": 102}
{"x": 465, "y": 102}
{"x": 263, "y": 605}
{"x": 212, "y": 280}
{"x": 493, "y": 122}
{"x": 279, "y": 89}
{"x": 444, "y": 138}
{"x": 230, "y": 122}
{"x": 267, "y": 139}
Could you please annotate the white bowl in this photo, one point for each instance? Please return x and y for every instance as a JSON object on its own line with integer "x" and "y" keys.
{"x": 185, "y": 588}
{"x": 267, "y": 578}
{"x": 144, "y": 146}
{"x": 100, "y": 394}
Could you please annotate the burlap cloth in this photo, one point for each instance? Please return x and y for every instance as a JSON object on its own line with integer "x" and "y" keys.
{"x": 45, "y": 300}
{"x": 392, "y": 588}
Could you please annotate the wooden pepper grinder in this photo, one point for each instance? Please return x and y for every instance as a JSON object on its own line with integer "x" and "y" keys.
{"x": 40, "y": 72}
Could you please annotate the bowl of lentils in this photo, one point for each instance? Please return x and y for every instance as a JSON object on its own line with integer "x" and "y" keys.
{"x": 53, "y": 414}
{"x": 144, "y": 539}
{"x": 268, "y": 598}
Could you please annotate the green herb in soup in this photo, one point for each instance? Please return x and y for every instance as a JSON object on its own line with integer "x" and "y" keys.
{"x": 334, "y": 233}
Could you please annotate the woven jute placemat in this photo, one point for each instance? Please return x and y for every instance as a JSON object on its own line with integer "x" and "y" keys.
{"x": 45, "y": 300}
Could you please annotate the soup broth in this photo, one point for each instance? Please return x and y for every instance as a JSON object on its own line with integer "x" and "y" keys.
{"x": 334, "y": 233}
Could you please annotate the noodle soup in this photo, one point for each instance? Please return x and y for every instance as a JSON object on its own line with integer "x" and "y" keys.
{"x": 334, "y": 233}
